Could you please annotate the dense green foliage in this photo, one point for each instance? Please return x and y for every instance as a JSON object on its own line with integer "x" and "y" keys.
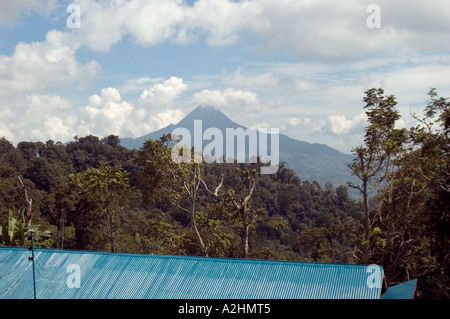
{"x": 94, "y": 194}
{"x": 112, "y": 198}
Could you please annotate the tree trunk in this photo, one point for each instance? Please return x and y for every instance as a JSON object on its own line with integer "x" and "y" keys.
{"x": 112, "y": 231}
{"x": 367, "y": 226}
{"x": 333, "y": 257}
{"x": 194, "y": 198}
{"x": 245, "y": 234}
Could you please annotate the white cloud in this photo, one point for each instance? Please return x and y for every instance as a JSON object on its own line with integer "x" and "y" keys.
{"x": 324, "y": 29}
{"x": 153, "y": 22}
{"x": 107, "y": 113}
{"x": 5, "y": 132}
{"x": 338, "y": 124}
{"x": 36, "y": 117}
{"x": 222, "y": 22}
{"x": 38, "y": 66}
{"x": 41, "y": 105}
{"x": 163, "y": 119}
{"x": 141, "y": 122}
{"x": 57, "y": 129}
{"x": 299, "y": 121}
{"x": 332, "y": 30}
{"x": 163, "y": 93}
{"x": 228, "y": 98}
{"x": 338, "y": 131}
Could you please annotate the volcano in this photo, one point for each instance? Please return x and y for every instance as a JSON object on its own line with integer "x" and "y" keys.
{"x": 310, "y": 161}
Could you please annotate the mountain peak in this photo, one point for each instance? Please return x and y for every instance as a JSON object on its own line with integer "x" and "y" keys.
{"x": 202, "y": 111}
{"x": 210, "y": 116}
{"x": 205, "y": 108}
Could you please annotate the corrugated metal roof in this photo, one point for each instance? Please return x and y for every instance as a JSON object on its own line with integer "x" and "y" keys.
{"x": 404, "y": 290}
{"x": 129, "y": 276}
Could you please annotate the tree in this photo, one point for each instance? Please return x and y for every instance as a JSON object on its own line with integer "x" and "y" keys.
{"x": 431, "y": 138}
{"x": 162, "y": 178}
{"x": 412, "y": 219}
{"x": 158, "y": 174}
{"x": 105, "y": 189}
{"x": 243, "y": 215}
{"x": 401, "y": 221}
{"x": 373, "y": 160}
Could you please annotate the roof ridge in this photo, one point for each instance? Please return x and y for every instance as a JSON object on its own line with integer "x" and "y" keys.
{"x": 191, "y": 257}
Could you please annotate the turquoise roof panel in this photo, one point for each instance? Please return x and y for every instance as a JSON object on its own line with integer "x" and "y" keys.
{"x": 404, "y": 290}
{"x": 134, "y": 276}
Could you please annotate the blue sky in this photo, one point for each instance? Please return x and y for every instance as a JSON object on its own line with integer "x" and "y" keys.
{"x": 135, "y": 66}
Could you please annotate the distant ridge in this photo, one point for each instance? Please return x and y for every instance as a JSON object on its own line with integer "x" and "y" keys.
{"x": 312, "y": 162}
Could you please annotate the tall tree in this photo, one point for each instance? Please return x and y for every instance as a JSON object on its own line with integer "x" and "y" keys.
{"x": 413, "y": 216}
{"x": 163, "y": 178}
{"x": 432, "y": 138}
{"x": 373, "y": 160}
{"x": 106, "y": 188}
{"x": 243, "y": 215}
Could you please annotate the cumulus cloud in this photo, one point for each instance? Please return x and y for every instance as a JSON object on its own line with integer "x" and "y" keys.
{"x": 339, "y": 124}
{"x": 163, "y": 93}
{"x": 6, "y": 132}
{"x": 107, "y": 113}
{"x": 153, "y": 22}
{"x": 141, "y": 122}
{"x": 229, "y": 98}
{"x": 41, "y": 105}
{"x": 36, "y": 117}
{"x": 299, "y": 121}
{"x": 40, "y": 65}
{"x": 163, "y": 119}
{"x": 57, "y": 129}
{"x": 333, "y": 124}
{"x": 49, "y": 116}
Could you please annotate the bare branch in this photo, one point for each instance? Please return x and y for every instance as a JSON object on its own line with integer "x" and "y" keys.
{"x": 219, "y": 186}
{"x": 29, "y": 203}
{"x": 216, "y": 191}
{"x": 180, "y": 207}
{"x": 252, "y": 188}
